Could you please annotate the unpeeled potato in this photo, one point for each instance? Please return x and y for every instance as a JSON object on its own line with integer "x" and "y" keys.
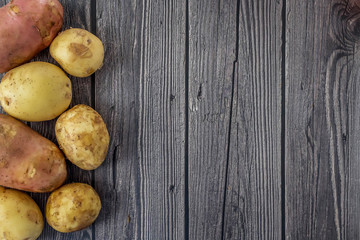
{"x": 83, "y": 137}
{"x": 28, "y": 161}
{"x": 72, "y": 207}
{"x": 37, "y": 91}
{"x": 26, "y": 28}
{"x": 20, "y": 216}
{"x": 79, "y": 52}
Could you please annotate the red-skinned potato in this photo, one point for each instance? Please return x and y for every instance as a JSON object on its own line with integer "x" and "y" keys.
{"x": 28, "y": 161}
{"x": 26, "y": 28}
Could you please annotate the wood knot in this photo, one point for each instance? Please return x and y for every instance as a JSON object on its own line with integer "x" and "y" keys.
{"x": 345, "y": 24}
{"x": 353, "y": 26}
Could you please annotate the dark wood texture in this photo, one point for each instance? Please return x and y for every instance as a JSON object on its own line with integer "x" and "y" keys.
{"x": 140, "y": 92}
{"x": 116, "y": 88}
{"x": 234, "y": 102}
{"x": 253, "y": 187}
{"x": 322, "y": 78}
{"x": 212, "y": 50}
{"x": 229, "y": 119}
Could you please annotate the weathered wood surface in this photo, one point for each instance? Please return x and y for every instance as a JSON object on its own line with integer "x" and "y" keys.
{"x": 228, "y": 119}
{"x": 212, "y": 52}
{"x": 141, "y": 94}
{"x": 234, "y": 120}
{"x": 322, "y": 120}
{"x": 252, "y": 208}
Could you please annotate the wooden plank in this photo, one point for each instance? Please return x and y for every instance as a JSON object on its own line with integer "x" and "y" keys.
{"x": 252, "y": 181}
{"x": 322, "y": 126}
{"x": 349, "y": 98}
{"x": 212, "y": 47}
{"x": 116, "y": 100}
{"x": 141, "y": 95}
{"x": 253, "y": 189}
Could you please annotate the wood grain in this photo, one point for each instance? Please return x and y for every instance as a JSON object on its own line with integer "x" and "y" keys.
{"x": 212, "y": 49}
{"x": 253, "y": 187}
{"x": 322, "y": 169}
{"x": 140, "y": 94}
{"x": 117, "y": 93}
{"x": 162, "y": 120}
{"x": 349, "y": 110}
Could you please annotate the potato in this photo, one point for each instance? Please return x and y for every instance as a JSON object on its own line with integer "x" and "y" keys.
{"x": 36, "y": 91}
{"x": 83, "y": 137}
{"x": 72, "y": 207}
{"x": 26, "y": 28}
{"x": 28, "y": 161}
{"x": 79, "y": 52}
{"x": 20, "y": 216}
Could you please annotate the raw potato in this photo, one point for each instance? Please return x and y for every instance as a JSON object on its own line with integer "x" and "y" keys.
{"x": 20, "y": 216}
{"x": 26, "y": 28}
{"x": 36, "y": 91}
{"x": 28, "y": 161}
{"x": 79, "y": 52}
{"x": 72, "y": 207}
{"x": 83, "y": 137}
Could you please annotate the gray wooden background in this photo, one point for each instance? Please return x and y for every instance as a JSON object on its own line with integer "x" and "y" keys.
{"x": 229, "y": 119}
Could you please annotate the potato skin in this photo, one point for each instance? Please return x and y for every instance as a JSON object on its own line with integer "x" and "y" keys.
{"x": 79, "y": 52}
{"x": 83, "y": 137}
{"x": 20, "y": 216}
{"x": 72, "y": 207}
{"x": 26, "y": 28}
{"x": 28, "y": 161}
{"x": 35, "y": 91}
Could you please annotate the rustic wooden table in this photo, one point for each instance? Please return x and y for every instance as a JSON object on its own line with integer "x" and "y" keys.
{"x": 229, "y": 119}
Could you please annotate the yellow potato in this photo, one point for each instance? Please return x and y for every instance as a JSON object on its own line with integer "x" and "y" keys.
{"x": 36, "y": 91}
{"x": 20, "y": 216}
{"x": 72, "y": 207}
{"x": 79, "y": 52}
{"x": 83, "y": 137}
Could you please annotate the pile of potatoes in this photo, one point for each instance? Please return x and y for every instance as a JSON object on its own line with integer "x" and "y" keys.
{"x": 40, "y": 91}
